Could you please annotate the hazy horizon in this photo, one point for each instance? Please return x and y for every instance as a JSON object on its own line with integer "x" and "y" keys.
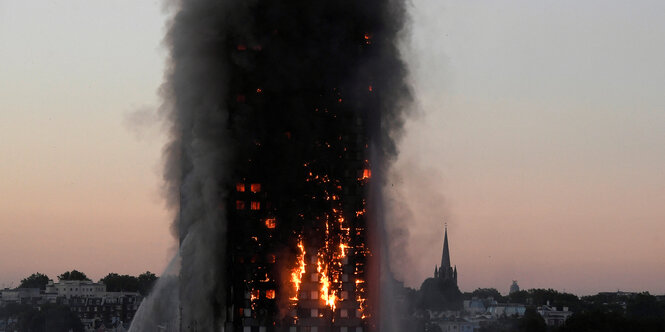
{"x": 538, "y": 139}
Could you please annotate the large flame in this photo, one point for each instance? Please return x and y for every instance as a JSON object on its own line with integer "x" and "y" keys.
{"x": 296, "y": 275}
{"x": 327, "y": 294}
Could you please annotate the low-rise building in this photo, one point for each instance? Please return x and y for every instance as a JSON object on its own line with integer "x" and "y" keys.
{"x": 553, "y": 316}
{"x": 98, "y": 309}
{"x": 20, "y": 295}
{"x": 506, "y": 310}
{"x": 75, "y": 288}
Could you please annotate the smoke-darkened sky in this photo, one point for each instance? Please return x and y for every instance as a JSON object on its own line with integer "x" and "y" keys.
{"x": 539, "y": 140}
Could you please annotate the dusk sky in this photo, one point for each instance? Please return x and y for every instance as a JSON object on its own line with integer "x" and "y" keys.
{"x": 538, "y": 136}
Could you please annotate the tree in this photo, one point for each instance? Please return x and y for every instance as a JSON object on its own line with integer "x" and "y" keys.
{"x": 120, "y": 283}
{"x": 146, "y": 282}
{"x": 644, "y": 310}
{"x": 35, "y": 280}
{"x": 73, "y": 275}
{"x": 597, "y": 320}
{"x": 532, "y": 322}
{"x": 50, "y": 318}
{"x": 518, "y": 297}
{"x": 483, "y": 293}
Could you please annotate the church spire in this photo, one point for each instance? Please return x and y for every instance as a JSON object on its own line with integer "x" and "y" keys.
{"x": 445, "y": 258}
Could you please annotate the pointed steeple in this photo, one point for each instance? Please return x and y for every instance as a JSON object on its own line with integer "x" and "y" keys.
{"x": 445, "y": 258}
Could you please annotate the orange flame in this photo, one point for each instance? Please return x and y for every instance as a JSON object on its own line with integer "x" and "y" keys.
{"x": 296, "y": 275}
{"x": 327, "y": 295}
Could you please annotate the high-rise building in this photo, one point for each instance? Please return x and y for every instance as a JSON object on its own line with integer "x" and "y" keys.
{"x": 284, "y": 123}
{"x": 297, "y": 245}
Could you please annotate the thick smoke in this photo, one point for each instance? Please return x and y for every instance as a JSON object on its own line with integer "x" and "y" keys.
{"x": 261, "y": 87}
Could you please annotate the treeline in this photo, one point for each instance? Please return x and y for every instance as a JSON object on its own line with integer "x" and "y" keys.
{"x": 43, "y": 318}
{"x": 607, "y": 312}
{"x": 535, "y": 297}
{"x": 114, "y": 282}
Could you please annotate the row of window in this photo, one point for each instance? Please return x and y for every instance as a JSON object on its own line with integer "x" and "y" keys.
{"x": 302, "y": 329}
{"x": 314, "y": 295}
{"x": 84, "y": 289}
{"x": 343, "y": 313}
{"x": 254, "y": 205}
{"x": 254, "y": 187}
{"x": 256, "y": 294}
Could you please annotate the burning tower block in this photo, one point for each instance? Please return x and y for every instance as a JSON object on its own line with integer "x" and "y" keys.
{"x": 289, "y": 109}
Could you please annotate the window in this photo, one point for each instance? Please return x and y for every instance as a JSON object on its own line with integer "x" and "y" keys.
{"x": 255, "y": 205}
{"x": 255, "y": 187}
{"x": 240, "y": 205}
{"x": 240, "y": 187}
{"x": 270, "y": 294}
{"x": 314, "y": 277}
{"x": 343, "y": 313}
{"x": 314, "y": 312}
{"x": 345, "y": 277}
{"x": 314, "y": 295}
{"x": 345, "y": 295}
{"x": 271, "y": 223}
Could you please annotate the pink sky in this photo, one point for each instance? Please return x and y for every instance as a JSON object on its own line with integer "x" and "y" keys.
{"x": 539, "y": 139}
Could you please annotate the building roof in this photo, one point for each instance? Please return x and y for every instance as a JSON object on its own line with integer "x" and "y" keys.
{"x": 445, "y": 258}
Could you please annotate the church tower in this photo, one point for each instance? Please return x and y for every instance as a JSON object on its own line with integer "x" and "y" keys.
{"x": 446, "y": 271}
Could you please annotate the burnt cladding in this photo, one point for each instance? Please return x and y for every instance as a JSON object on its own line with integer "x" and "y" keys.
{"x": 297, "y": 103}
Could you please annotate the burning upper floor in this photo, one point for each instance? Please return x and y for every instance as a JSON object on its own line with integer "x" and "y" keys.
{"x": 284, "y": 114}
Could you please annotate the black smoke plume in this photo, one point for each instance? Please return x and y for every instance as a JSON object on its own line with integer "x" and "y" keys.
{"x": 270, "y": 90}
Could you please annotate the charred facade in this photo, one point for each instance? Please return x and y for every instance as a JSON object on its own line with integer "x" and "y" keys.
{"x": 292, "y": 107}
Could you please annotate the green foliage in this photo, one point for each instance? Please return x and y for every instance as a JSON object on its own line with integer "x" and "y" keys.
{"x": 538, "y": 297}
{"x": 532, "y": 322}
{"x": 50, "y": 318}
{"x": 35, "y": 280}
{"x": 505, "y": 324}
{"x": 597, "y": 320}
{"x": 47, "y": 318}
{"x": 120, "y": 283}
{"x": 125, "y": 283}
{"x": 643, "y": 313}
{"x": 73, "y": 275}
{"x": 608, "y": 302}
{"x": 483, "y": 293}
{"x": 646, "y": 312}
{"x": 643, "y": 305}
{"x": 146, "y": 282}
{"x": 521, "y": 297}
